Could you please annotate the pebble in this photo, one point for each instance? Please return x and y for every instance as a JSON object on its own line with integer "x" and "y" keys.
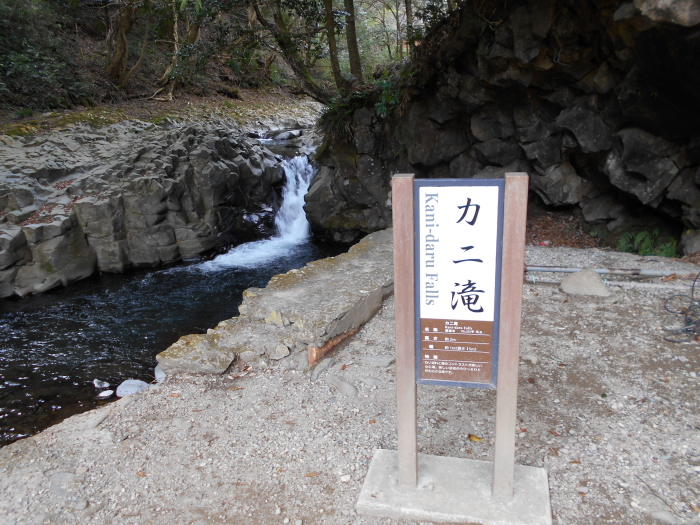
{"x": 100, "y": 384}
{"x": 280, "y": 352}
{"x": 131, "y": 386}
{"x": 285, "y": 520}
{"x": 247, "y": 356}
{"x": 345, "y": 478}
{"x": 321, "y": 367}
{"x": 159, "y": 374}
{"x": 369, "y": 381}
{"x": 530, "y": 358}
{"x": 345, "y": 388}
{"x": 665, "y": 516}
{"x": 105, "y": 394}
{"x": 380, "y": 361}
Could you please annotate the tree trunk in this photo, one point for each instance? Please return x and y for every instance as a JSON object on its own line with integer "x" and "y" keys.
{"x": 351, "y": 35}
{"x": 138, "y": 63}
{"x": 280, "y": 33}
{"x": 340, "y": 82}
{"x": 409, "y": 24}
{"x": 123, "y": 23}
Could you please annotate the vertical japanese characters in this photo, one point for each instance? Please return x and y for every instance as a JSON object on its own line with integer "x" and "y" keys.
{"x": 466, "y": 292}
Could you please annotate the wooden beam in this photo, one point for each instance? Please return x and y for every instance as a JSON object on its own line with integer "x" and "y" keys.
{"x": 513, "y": 262}
{"x": 402, "y": 211}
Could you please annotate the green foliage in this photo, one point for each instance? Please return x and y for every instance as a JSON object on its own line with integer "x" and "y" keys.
{"x": 197, "y": 5}
{"x": 389, "y": 95}
{"x": 645, "y": 243}
{"x": 336, "y": 120}
{"x": 37, "y": 66}
{"x": 432, "y": 12}
{"x": 385, "y": 95}
{"x": 25, "y": 112}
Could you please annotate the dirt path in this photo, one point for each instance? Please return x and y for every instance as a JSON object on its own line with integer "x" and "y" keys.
{"x": 606, "y": 404}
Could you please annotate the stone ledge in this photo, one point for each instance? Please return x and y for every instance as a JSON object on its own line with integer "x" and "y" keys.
{"x": 310, "y": 309}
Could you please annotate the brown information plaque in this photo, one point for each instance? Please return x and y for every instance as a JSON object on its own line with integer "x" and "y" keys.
{"x": 456, "y": 350}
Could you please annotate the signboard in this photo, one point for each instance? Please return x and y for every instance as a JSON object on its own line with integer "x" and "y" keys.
{"x": 458, "y": 225}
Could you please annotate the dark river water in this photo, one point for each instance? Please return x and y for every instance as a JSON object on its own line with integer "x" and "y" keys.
{"x": 110, "y": 327}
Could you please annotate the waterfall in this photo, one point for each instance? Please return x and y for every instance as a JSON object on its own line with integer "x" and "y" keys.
{"x": 291, "y": 226}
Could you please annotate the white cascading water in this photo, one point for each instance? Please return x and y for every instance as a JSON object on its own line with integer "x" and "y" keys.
{"x": 291, "y": 226}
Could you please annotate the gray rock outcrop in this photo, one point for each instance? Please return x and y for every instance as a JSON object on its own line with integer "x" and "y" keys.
{"x": 129, "y": 196}
{"x": 597, "y": 105}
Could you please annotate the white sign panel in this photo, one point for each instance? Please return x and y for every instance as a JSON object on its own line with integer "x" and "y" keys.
{"x": 458, "y": 244}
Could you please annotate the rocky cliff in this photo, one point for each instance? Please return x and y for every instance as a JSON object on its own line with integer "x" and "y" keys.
{"x": 596, "y": 100}
{"x": 129, "y": 195}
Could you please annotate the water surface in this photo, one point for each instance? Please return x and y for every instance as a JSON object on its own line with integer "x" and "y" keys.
{"x": 110, "y": 327}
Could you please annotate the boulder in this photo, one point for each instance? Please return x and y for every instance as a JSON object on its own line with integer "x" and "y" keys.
{"x": 559, "y": 185}
{"x": 464, "y": 166}
{"x": 690, "y": 242}
{"x": 591, "y": 132}
{"x": 496, "y": 151}
{"x": 584, "y": 282}
{"x": 602, "y": 208}
{"x": 681, "y": 12}
{"x": 58, "y": 261}
{"x": 428, "y": 142}
{"x": 647, "y": 191}
{"x": 545, "y": 152}
{"x": 490, "y": 123}
{"x": 364, "y": 139}
{"x": 649, "y": 155}
{"x": 525, "y": 44}
{"x": 196, "y": 354}
{"x": 7, "y": 282}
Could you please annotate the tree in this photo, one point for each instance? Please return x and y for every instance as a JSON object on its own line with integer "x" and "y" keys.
{"x": 121, "y": 24}
{"x": 409, "y": 24}
{"x": 351, "y": 35}
{"x": 181, "y": 66}
{"x": 341, "y": 83}
{"x": 290, "y": 41}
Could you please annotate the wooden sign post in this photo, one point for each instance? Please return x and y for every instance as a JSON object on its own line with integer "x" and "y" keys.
{"x": 458, "y": 272}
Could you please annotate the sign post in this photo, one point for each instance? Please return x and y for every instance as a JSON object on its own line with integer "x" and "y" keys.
{"x": 513, "y": 262}
{"x": 458, "y": 275}
{"x": 402, "y": 191}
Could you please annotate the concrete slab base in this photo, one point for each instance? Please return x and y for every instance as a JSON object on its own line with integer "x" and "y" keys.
{"x": 453, "y": 490}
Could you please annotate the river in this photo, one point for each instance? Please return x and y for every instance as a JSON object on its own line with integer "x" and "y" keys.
{"x": 110, "y": 327}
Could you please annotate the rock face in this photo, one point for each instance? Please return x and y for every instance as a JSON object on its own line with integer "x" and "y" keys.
{"x": 306, "y": 310}
{"x": 129, "y": 197}
{"x": 596, "y": 101}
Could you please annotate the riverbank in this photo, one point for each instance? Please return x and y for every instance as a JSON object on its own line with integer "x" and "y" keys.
{"x": 606, "y": 404}
{"x": 103, "y": 196}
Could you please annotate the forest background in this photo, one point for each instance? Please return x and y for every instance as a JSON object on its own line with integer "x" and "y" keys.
{"x": 56, "y": 54}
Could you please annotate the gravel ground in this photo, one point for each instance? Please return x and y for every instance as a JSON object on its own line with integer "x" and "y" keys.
{"x": 606, "y": 405}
